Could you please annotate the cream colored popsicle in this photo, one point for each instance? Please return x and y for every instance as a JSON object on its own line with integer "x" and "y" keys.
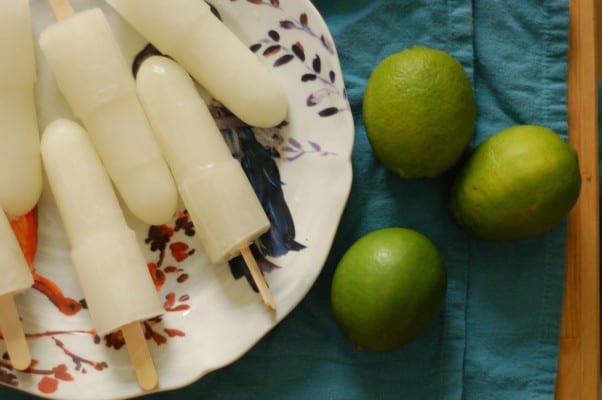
{"x": 220, "y": 199}
{"x": 107, "y": 257}
{"x": 188, "y": 31}
{"x": 92, "y": 74}
{"x": 20, "y": 164}
{"x": 108, "y": 260}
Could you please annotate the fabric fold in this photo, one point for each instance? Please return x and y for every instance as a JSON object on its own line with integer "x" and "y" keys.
{"x": 515, "y": 289}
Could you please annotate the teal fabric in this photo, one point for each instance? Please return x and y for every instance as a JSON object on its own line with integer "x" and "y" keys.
{"x": 497, "y": 335}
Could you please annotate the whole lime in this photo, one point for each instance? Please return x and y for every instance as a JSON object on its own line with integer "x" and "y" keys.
{"x": 518, "y": 183}
{"x": 387, "y": 288}
{"x": 419, "y": 112}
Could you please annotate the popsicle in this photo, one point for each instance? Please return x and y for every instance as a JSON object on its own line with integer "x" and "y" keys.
{"x": 20, "y": 164}
{"x": 92, "y": 74}
{"x": 220, "y": 199}
{"x": 108, "y": 260}
{"x": 217, "y": 59}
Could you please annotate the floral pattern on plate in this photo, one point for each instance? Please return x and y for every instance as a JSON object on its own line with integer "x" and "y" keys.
{"x": 306, "y": 160}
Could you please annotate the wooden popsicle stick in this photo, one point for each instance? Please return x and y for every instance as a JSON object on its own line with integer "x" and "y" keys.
{"x": 12, "y": 331}
{"x": 140, "y": 356}
{"x": 61, "y": 8}
{"x": 258, "y": 278}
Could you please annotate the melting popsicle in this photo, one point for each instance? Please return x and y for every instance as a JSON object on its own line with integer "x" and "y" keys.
{"x": 220, "y": 199}
{"x": 109, "y": 263}
{"x": 20, "y": 165}
{"x": 94, "y": 78}
{"x": 216, "y": 58}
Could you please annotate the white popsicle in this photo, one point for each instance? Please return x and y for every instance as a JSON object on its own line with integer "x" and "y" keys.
{"x": 108, "y": 260}
{"x": 92, "y": 74}
{"x": 220, "y": 199}
{"x": 20, "y": 164}
{"x": 109, "y": 263}
{"x": 188, "y": 31}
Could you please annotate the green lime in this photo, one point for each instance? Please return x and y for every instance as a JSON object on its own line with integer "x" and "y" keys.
{"x": 387, "y": 288}
{"x": 419, "y": 112}
{"x": 520, "y": 182}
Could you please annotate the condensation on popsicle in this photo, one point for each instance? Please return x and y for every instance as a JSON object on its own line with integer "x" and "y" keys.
{"x": 20, "y": 164}
{"x": 93, "y": 76}
{"x": 216, "y": 58}
{"x": 109, "y": 263}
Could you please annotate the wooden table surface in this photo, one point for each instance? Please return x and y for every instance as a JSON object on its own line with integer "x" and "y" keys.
{"x": 578, "y": 376}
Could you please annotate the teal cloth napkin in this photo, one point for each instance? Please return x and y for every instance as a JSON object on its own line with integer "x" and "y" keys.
{"x": 497, "y": 335}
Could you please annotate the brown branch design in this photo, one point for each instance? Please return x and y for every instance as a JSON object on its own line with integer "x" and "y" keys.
{"x": 168, "y": 254}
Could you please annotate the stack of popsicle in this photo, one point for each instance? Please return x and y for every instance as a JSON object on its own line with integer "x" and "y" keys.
{"x": 20, "y": 165}
{"x": 92, "y": 74}
{"x": 218, "y": 196}
{"x": 187, "y": 31}
{"x": 118, "y": 144}
{"x": 208, "y": 178}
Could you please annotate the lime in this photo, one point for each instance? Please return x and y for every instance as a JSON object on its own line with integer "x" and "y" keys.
{"x": 387, "y": 288}
{"x": 520, "y": 182}
{"x": 419, "y": 112}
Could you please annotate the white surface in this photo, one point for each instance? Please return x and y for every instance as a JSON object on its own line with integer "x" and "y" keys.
{"x": 208, "y": 310}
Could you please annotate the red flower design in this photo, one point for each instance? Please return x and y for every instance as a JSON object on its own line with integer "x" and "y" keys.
{"x": 25, "y": 228}
{"x": 174, "y": 332}
{"x": 157, "y": 275}
{"x": 179, "y": 251}
{"x": 48, "y": 385}
{"x": 61, "y": 372}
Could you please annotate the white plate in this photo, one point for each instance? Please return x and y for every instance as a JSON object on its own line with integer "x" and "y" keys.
{"x": 211, "y": 318}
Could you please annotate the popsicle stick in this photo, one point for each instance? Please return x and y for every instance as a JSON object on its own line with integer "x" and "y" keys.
{"x": 61, "y": 8}
{"x": 12, "y": 331}
{"x": 258, "y": 278}
{"x": 140, "y": 355}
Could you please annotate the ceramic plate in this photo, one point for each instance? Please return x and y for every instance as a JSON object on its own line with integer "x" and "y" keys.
{"x": 212, "y": 314}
